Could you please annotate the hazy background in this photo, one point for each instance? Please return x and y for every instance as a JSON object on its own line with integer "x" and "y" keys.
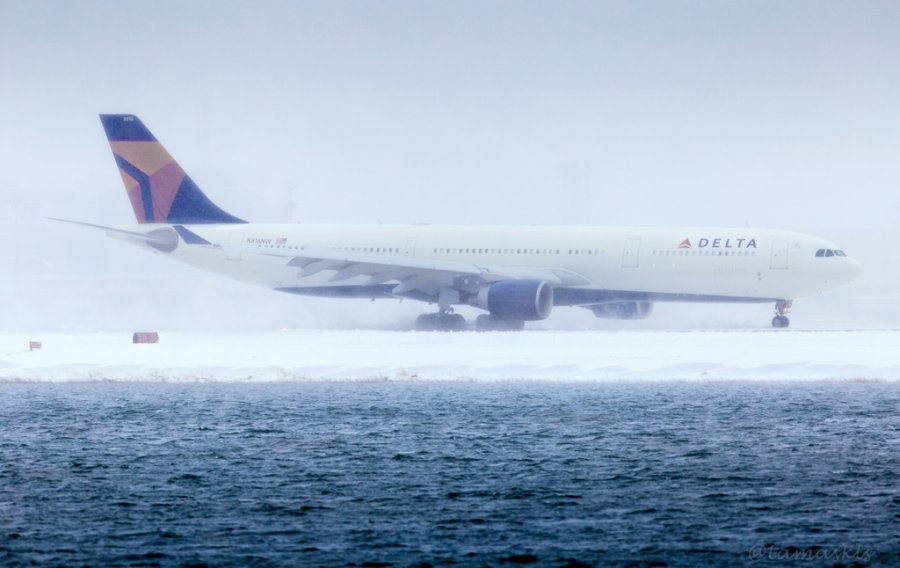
{"x": 770, "y": 114}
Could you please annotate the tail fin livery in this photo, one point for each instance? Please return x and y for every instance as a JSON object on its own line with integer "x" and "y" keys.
{"x": 159, "y": 190}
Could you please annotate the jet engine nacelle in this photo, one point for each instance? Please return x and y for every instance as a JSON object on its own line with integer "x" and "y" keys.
{"x": 623, "y": 310}
{"x": 525, "y": 300}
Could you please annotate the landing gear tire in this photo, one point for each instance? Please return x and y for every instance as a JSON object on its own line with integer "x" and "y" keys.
{"x": 780, "y": 322}
{"x": 440, "y": 322}
{"x": 488, "y": 322}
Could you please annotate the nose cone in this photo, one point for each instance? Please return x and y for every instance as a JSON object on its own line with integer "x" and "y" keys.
{"x": 853, "y": 270}
{"x": 839, "y": 272}
{"x": 845, "y": 271}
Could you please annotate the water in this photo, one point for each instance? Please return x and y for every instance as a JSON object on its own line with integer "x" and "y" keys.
{"x": 471, "y": 474}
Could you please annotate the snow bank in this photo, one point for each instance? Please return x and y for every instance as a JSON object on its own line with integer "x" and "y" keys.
{"x": 341, "y": 355}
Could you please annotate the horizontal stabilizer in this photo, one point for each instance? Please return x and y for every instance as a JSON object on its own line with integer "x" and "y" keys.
{"x": 154, "y": 238}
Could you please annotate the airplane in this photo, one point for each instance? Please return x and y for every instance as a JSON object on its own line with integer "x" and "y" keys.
{"x": 514, "y": 273}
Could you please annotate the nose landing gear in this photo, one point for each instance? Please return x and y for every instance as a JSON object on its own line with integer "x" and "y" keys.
{"x": 781, "y": 308}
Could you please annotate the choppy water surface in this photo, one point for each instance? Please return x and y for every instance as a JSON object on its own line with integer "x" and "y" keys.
{"x": 407, "y": 474}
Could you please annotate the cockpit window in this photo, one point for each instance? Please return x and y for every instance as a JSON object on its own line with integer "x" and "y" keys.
{"x": 829, "y": 252}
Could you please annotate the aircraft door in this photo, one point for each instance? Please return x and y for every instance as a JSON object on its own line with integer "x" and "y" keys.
{"x": 631, "y": 253}
{"x": 235, "y": 244}
{"x": 779, "y": 259}
{"x": 411, "y": 249}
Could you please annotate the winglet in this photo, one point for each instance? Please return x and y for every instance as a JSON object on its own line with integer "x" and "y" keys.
{"x": 159, "y": 190}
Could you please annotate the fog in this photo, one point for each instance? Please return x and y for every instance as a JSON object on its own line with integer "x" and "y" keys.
{"x": 765, "y": 114}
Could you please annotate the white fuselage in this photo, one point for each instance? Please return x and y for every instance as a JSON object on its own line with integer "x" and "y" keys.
{"x": 516, "y": 274}
{"x": 693, "y": 264}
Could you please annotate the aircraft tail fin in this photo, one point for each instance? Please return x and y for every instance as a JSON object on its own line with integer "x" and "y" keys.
{"x": 159, "y": 190}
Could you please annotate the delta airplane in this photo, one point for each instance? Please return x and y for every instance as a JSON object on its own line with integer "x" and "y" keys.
{"x": 514, "y": 273}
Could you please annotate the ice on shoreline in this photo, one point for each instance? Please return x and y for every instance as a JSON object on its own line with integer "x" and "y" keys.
{"x": 365, "y": 355}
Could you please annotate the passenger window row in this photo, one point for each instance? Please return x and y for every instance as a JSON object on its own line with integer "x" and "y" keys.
{"x": 358, "y": 249}
{"x": 442, "y": 250}
{"x": 695, "y": 252}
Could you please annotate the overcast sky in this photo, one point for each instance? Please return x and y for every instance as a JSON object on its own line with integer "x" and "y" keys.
{"x": 772, "y": 114}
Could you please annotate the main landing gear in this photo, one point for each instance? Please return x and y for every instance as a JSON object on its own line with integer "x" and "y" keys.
{"x": 444, "y": 320}
{"x": 448, "y": 321}
{"x": 780, "y": 320}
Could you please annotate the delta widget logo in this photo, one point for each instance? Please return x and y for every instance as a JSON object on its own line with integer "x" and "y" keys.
{"x": 726, "y": 243}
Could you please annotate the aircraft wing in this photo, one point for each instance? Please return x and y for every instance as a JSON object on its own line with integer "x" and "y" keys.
{"x": 411, "y": 274}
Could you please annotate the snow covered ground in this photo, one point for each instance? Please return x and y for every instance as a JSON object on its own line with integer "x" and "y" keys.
{"x": 365, "y": 355}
